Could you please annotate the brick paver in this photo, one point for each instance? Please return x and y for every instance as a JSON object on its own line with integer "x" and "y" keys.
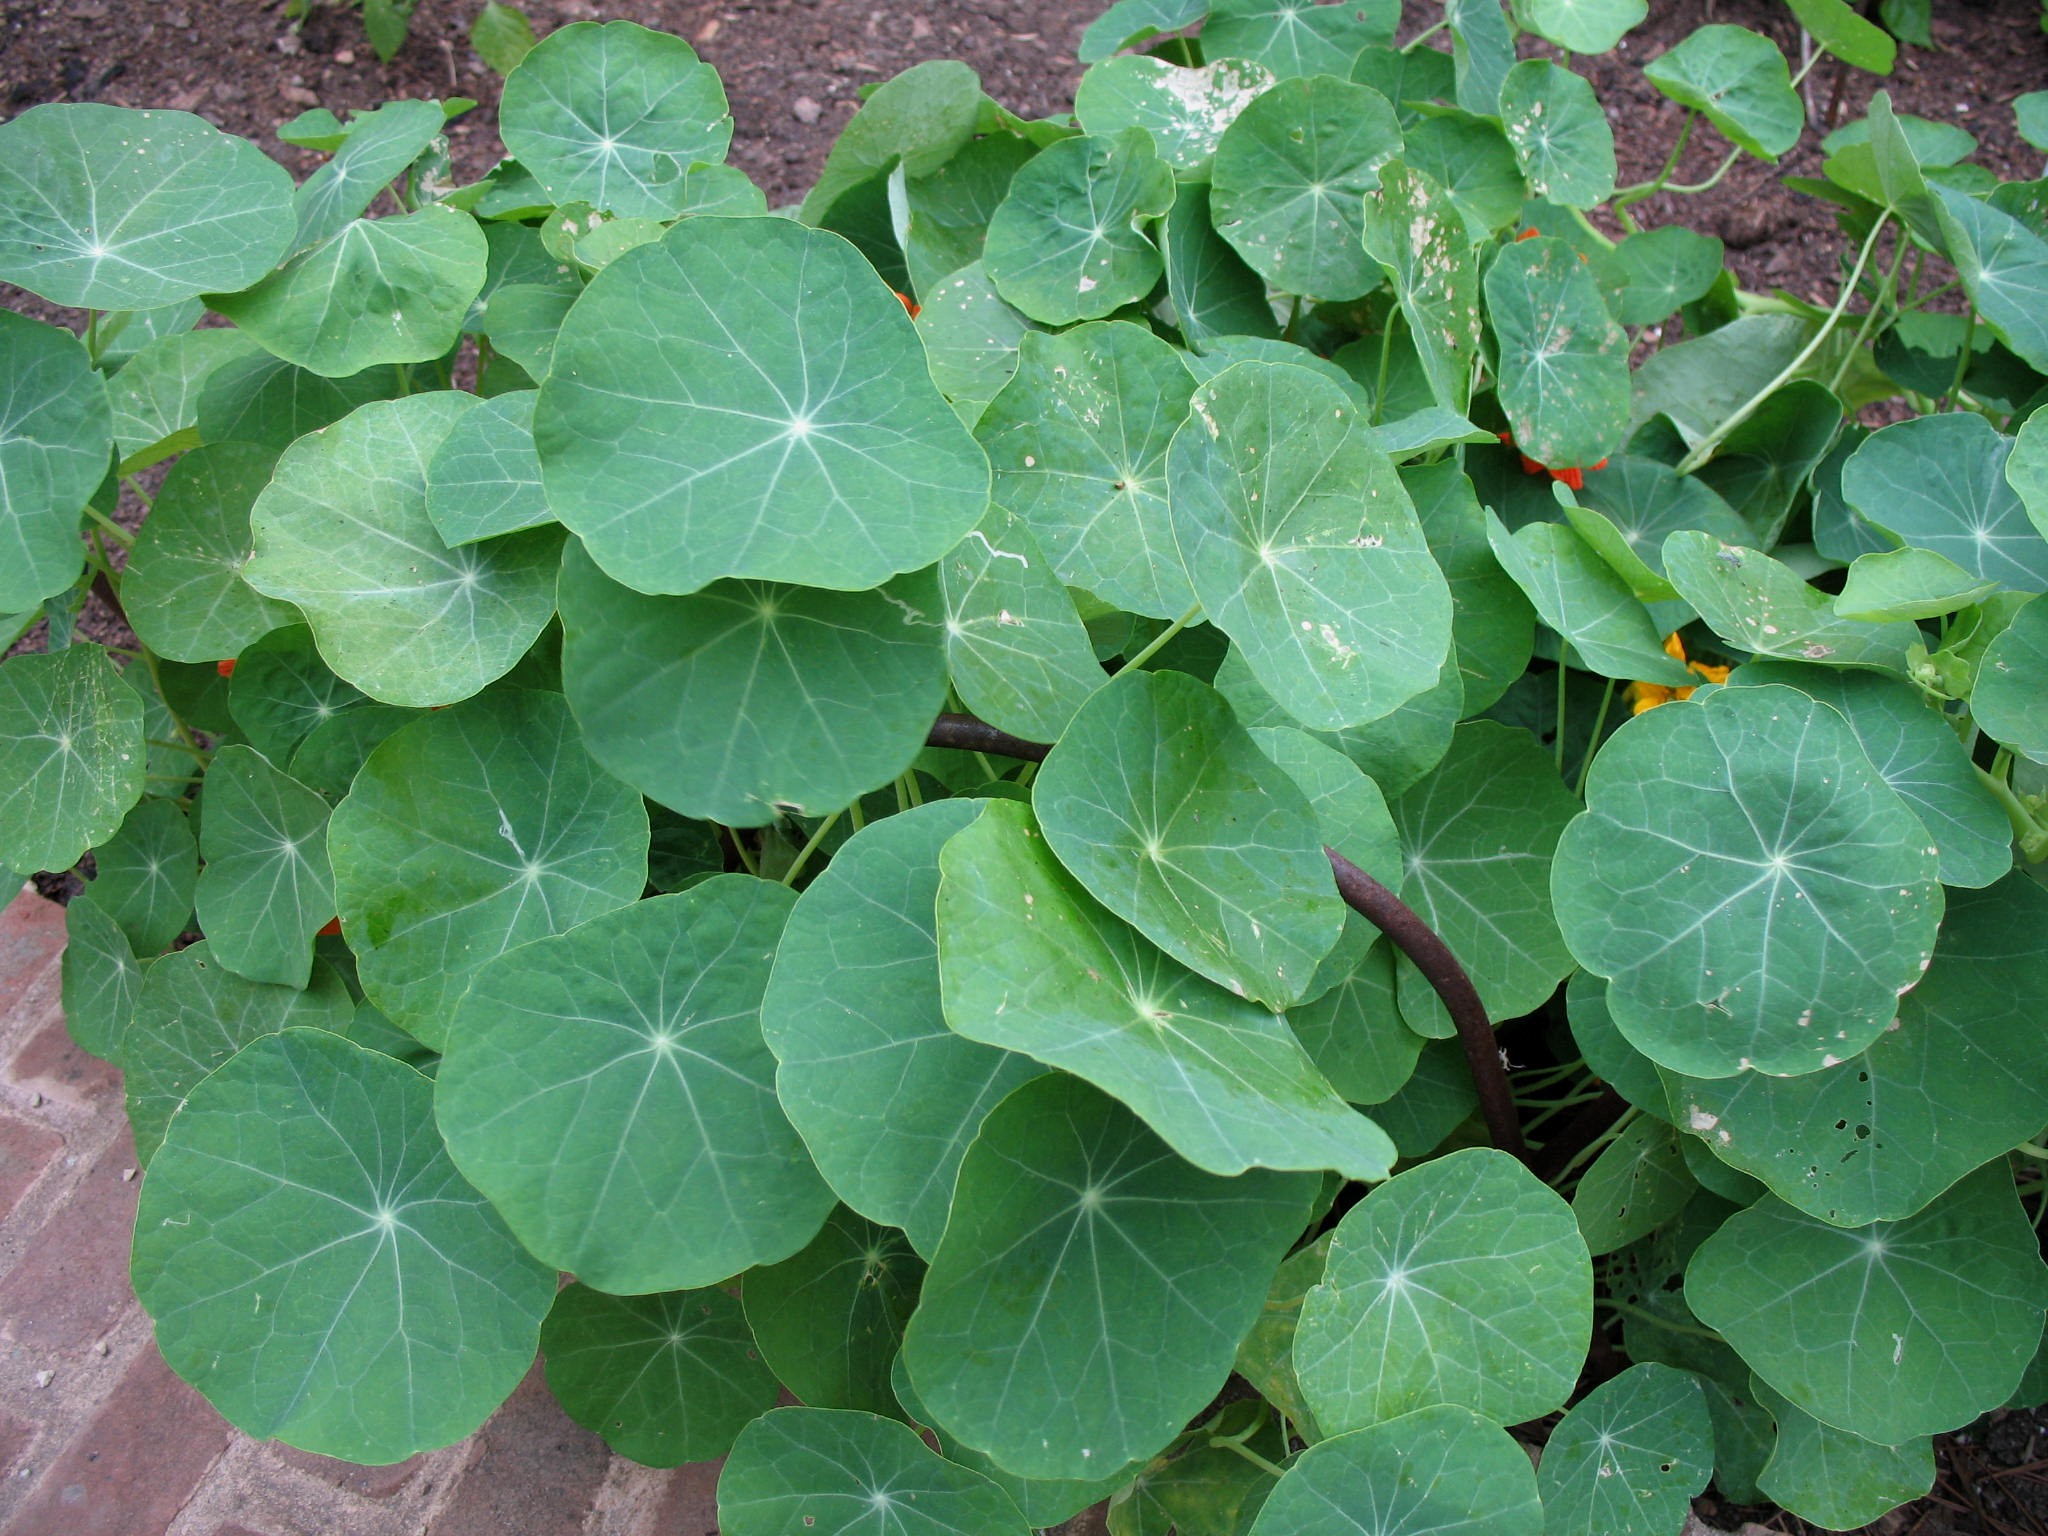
{"x": 97, "y": 1434}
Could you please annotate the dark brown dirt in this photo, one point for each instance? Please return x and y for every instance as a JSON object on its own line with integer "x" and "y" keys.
{"x": 793, "y": 70}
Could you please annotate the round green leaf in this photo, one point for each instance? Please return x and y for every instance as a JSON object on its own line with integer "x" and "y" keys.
{"x": 1580, "y": 26}
{"x": 1168, "y": 813}
{"x": 1939, "y": 483}
{"x": 281, "y": 690}
{"x": 146, "y": 875}
{"x": 1608, "y": 1056}
{"x": 946, "y": 213}
{"x": 1289, "y": 178}
{"x": 1637, "y": 1183}
{"x": 2010, "y": 700}
{"x": 1561, "y": 137}
{"x": 1018, "y": 654}
{"x": 1564, "y": 380}
{"x": 1740, "y": 80}
{"x": 829, "y": 1319}
{"x": 484, "y": 479}
{"x": 920, "y": 120}
{"x": 2003, "y": 263}
{"x": 1471, "y": 160}
{"x": 609, "y": 1091}
{"x": 1078, "y": 442}
{"x": 268, "y": 401}
{"x": 751, "y": 699}
{"x": 155, "y": 396}
{"x": 1352, "y": 1028}
{"x": 100, "y": 979}
{"x": 1758, "y": 896}
{"x": 884, "y": 1094}
{"x": 1350, "y": 811}
{"x": 1090, "y": 1291}
{"x": 1441, "y": 1471}
{"x": 1492, "y": 626}
{"x": 1651, "y": 273}
{"x": 390, "y": 290}
{"x": 1579, "y": 595}
{"x": 665, "y": 1379}
{"x": 1128, "y": 23}
{"x": 1068, "y": 242}
{"x": 107, "y": 208}
{"x": 1298, "y": 39}
{"x": 379, "y": 147}
{"x": 1889, "y": 1331}
{"x": 1477, "y": 838}
{"x": 1830, "y": 1476}
{"x": 2026, "y": 467}
{"x": 1415, "y": 230}
{"x": 354, "y": 1306}
{"x": 71, "y": 755}
{"x": 1393, "y": 752}
{"x": 1908, "y": 583}
{"x": 343, "y": 532}
{"x": 1918, "y": 753}
{"x": 1462, "y": 1281}
{"x": 612, "y": 114}
{"x": 745, "y": 397}
{"x": 1029, "y": 962}
{"x": 1304, "y": 547}
{"x": 183, "y": 589}
{"x": 192, "y": 1013}
{"x": 55, "y": 438}
{"x": 1950, "y": 1085}
{"x": 1763, "y": 605}
{"x": 1647, "y": 501}
{"x": 1185, "y": 110}
{"x": 1629, "y": 1457}
{"x": 970, "y": 338}
{"x": 829, "y": 1473}
{"x": 266, "y": 889}
{"x": 1213, "y": 293}
{"x": 468, "y": 832}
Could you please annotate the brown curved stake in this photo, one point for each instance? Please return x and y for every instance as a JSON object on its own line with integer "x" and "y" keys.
{"x": 967, "y": 734}
{"x": 1372, "y": 901}
{"x": 1420, "y": 943}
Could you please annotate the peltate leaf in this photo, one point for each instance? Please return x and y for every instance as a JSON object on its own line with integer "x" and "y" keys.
{"x": 351, "y": 1303}
{"x": 147, "y": 871}
{"x": 1561, "y": 137}
{"x": 1090, "y": 1291}
{"x": 609, "y": 1091}
{"x": 1068, "y": 242}
{"x": 1564, "y": 380}
{"x": 1757, "y": 895}
{"x": 71, "y": 755}
{"x": 855, "y": 1285}
{"x": 1629, "y": 1457}
{"x": 745, "y": 397}
{"x": 55, "y": 438}
{"x": 1740, "y": 81}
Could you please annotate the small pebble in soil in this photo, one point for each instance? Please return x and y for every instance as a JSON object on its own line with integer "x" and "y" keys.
{"x": 806, "y": 110}
{"x": 345, "y": 56}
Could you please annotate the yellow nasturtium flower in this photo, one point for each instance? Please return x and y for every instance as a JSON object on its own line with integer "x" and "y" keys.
{"x": 1642, "y": 696}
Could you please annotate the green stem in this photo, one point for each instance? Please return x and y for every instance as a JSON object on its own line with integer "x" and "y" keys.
{"x": 1705, "y": 449}
{"x": 2030, "y": 834}
{"x": 109, "y": 527}
{"x": 1424, "y": 36}
{"x": 1807, "y": 68}
{"x": 1159, "y": 640}
{"x": 178, "y": 746}
{"x": 156, "y": 680}
{"x": 1587, "y": 225}
{"x": 92, "y": 334}
{"x": 1379, "y": 389}
{"x": 1593, "y": 746}
{"x": 1643, "y": 189}
{"x": 803, "y": 854}
{"x": 1293, "y": 319}
{"x": 1886, "y": 300}
{"x": 747, "y": 861}
{"x": 1563, "y": 687}
{"x": 1231, "y": 1443}
{"x": 910, "y": 789}
{"x": 1955, "y": 388}
{"x": 857, "y": 816}
{"x": 2028, "y": 1149}
{"x": 1625, "y": 1310}
{"x": 1713, "y": 181}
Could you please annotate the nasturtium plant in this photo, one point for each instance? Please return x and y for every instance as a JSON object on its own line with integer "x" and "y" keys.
{"x": 1175, "y": 807}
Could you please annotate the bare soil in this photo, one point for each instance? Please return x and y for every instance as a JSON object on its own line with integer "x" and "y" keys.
{"x": 793, "y": 70}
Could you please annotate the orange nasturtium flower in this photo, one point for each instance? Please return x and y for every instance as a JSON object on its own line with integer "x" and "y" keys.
{"x": 1642, "y": 696}
{"x": 1573, "y": 477}
{"x": 225, "y": 668}
{"x": 906, "y": 303}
